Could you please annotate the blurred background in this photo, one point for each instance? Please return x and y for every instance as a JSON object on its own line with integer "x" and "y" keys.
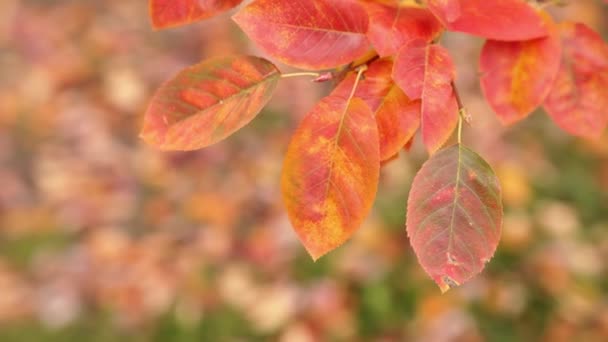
{"x": 103, "y": 238}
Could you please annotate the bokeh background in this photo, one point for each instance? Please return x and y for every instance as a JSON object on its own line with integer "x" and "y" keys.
{"x": 103, "y": 238}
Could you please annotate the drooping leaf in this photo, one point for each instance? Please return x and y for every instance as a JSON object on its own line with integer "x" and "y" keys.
{"x": 330, "y": 174}
{"x": 397, "y": 116}
{"x": 510, "y": 20}
{"x": 170, "y": 13}
{"x": 391, "y": 26}
{"x": 454, "y": 215}
{"x": 578, "y": 101}
{"x": 207, "y": 102}
{"x": 516, "y": 77}
{"x": 426, "y": 71}
{"x": 312, "y": 34}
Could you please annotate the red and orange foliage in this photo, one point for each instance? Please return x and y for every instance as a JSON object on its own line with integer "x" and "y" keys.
{"x": 331, "y": 171}
{"x": 207, "y": 102}
{"x": 393, "y": 77}
{"x": 454, "y": 215}
{"x": 170, "y": 13}
{"x": 578, "y": 101}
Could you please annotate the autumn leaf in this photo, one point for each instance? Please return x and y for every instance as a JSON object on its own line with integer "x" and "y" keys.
{"x": 170, "y": 13}
{"x": 207, "y": 102}
{"x": 426, "y": 71}
{"x": 516, "y": 77}
{"x": 314, "y": 34}
{"x": 454, "y": 215}
{"x": 330, "y": 174}
{"x": 397, "y": 116}
{"x": 510, "y": 20}
{"x": 578, "y": 101}
{"x": 391, "y": 26}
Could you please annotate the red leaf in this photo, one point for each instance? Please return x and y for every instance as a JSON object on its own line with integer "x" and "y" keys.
{"x": 170, "y": 13}
{"x": 397, "y": 116}
{"x": 426, "y": 71}
{"x": 391, "y": 26}
{"x": 517, "y": 76}
{"x": 313, "y": 34}
{"x": 207, "y": 102}
{"x": 578, "y": 101}
{"x": 330, "y": 174}
{"x": 454, "y": 215}
{"x": 509, "y": 20}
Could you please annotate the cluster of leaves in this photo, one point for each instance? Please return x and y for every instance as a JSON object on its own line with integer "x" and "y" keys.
{"x": 392, "y": 79}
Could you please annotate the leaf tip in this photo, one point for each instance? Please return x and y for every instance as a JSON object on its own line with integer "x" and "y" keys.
{"x": 315, "y": 253}
{"x": 446, "y": 283}
{"x": 153, "y": 132}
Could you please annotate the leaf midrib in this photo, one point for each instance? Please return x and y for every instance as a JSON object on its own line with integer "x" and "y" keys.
{"x": 222, "y": 101}
{"x": 454, "y": 202}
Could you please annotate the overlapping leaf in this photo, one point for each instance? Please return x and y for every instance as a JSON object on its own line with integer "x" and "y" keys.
{"x": 517, "y": 76}
{"x": 509, "y": 20}
{"x": 397, "y": 116}
{"x": 578, "y": 101}
{"x": 426, "y": 71}
{"x": 170, "y": 13}
{"x": 454, "y": 215}
{"x": 207, "y": 102}
{"x": 391, "y": 26}
{"x": 313, "y": 34}
{"x": 330, "y": 174}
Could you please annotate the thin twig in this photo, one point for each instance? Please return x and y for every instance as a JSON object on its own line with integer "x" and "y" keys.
{"x": 462, "y": 113}
{"x": 299, "y": 74}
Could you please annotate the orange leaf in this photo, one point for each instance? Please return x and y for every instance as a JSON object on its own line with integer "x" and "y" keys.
{"x": 170, "y": 13}
{"x": 209, "y": 101}
{"x": 509, "y": 20}
{"x": 397, "y": 116}
{"x": 454, "y": 215}
{"x": 426, "y": 71}
{"x": 517, "y": 76}
{"x": 314, "y": 34}
{"x": 391, "y": 26}
{"x": 578, "y": 101}
{"x": 330, "y": 174}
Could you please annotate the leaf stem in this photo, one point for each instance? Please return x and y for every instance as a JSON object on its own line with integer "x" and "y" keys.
{"x": 459, "y": 129}
{"x": 462, "y": 112}
{"x": 299, "y": 74}
{"x": 359, "y": 73}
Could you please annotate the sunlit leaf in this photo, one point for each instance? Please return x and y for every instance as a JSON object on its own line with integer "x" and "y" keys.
{"x": 426, "y": 71}
{"x": 207, "y": 102}
{"x": 397, "y": 116}
{"x": 330, "y": 174}
{"x": 170, "y": 13}
{"x": 510, "y": 20}
{"x": 314, "y": 34}
{"x": 391, "y": 26}
{"x": 517, "y": 76}
{"x": 578, "y": 101}
{"x": 454, "y": 215}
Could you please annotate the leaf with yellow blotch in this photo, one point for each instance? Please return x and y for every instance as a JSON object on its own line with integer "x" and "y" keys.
{"x": 397, "y": 116}
{"x": 313, "y": 34}
{"x": 330, "y": 174}
{"x": 454, "y": 215}
{"x": 171, "y": 13}
{"x": 516, "y": 77}
{"x": 578, "y": 100}
{"x": 426, "y": 71}
{"x": 509, "y": 20}
{"x": 392, "y": 25}
{"x": 209, "y": 101}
